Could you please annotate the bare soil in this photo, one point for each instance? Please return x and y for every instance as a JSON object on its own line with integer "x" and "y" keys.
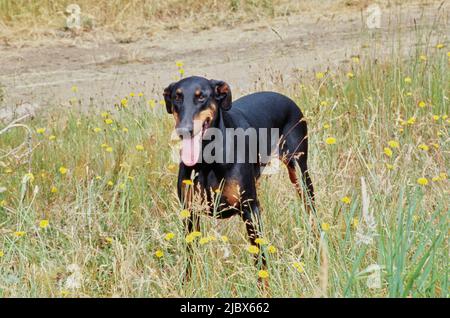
{"x": 278, "y": 51}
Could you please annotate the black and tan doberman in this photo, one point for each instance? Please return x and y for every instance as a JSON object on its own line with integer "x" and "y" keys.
{"x": 199, "y": 106}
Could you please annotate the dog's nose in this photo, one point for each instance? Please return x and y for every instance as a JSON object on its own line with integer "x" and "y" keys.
{"x": 185, "y": 131}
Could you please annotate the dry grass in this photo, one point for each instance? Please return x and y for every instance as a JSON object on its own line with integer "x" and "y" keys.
{"x": 24, "y": 19}
{"x": 109, "y": 213}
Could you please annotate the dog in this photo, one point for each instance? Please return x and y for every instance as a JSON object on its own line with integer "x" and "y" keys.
{"x": 200, "y": 105}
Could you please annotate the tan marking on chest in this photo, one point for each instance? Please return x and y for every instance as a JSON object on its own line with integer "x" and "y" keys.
{"x": 232, "y": 192}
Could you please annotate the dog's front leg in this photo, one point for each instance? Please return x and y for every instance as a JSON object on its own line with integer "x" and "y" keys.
{"x": 185, "y": 189}
{"x": 192, "y": 223}
{"x": 252, "y": 219}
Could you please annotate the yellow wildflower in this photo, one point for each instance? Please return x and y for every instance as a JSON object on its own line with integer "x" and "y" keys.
{"x": 159, "y": 253}
{"x": 172, "y": 167}
{"x": 108, "y": 121}
{"x": 125, "y": 129}
{"x": 261, "y": 241}
{"x": 355, "y": 222}
{"x": 350, "y": 75}
{"x": 29, "y": 176}
{"x": 169, "y": 236}
{"x": 422, "y": 181}
{"x": 330, "y": 141}
{"x": 203, "y": 240}
{"x": 440, "y": 46}
{"x": 189, "y": 238}
{"x": 109, "y": 149}
{"x": 272, "y": 249}
{"x": 299, "y": 266}
{"x": 423, "y": 147}
{"x": 65, "y": 293}
{"x": 253, "y": 249}
{"x": 185, "y": 214}
{"x": 393, "y": 144}
{"x": 422, "y": 104}
{"x": 423, "y": 57}
{"x": 320, "y": 75}
{"x": 20, "y": 233}
{"x": 408, "y": 80}
{"x": 224, "y": 238}
{"x": 263, "y": 274}
{"x": 325, "y": 227}
{"x": 346, "y": 200}
{"x": 74, "y": 88}
{"x": 387, "y": 151}
{"x": 179, "y": 64}
{"x": 43, "y": 224}
{"x": 62, "y": 170}
{"x": 51, "y": 137}
{"x": 97, "y": 129}
{"x": 2, "y": 253}
{"x": 139, "y": 147}
{"x": 411, "y": 121}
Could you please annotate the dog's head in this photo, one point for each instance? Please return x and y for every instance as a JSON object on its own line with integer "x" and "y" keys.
{"x": 195, "y": 103}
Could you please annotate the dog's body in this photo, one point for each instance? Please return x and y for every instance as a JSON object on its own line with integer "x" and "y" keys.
{"x": 208, "y": 103}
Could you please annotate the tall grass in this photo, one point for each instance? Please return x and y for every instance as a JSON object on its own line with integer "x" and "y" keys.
{"x": 27, "y": 17}
{"x": 109, "y": 213}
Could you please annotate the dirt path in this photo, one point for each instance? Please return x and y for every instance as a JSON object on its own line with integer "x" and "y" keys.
{"x": 106, "y": 70}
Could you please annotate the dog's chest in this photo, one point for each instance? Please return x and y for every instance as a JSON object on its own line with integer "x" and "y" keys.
{"x": 227, "y": 189}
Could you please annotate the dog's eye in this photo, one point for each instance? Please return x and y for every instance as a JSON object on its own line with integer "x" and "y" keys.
{"x": 178, "y": 97}
{"x": 201, "y": 98}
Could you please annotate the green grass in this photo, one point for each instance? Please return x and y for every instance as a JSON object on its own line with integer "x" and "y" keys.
{"x": 111, "y": 232}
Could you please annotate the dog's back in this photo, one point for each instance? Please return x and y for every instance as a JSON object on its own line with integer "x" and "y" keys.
{"x": 267, "y": 110}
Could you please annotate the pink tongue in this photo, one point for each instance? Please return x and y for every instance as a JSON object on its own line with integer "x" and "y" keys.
{"x": 190, "y": 150}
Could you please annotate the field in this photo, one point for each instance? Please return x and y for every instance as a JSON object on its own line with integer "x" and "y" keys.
{"x": 88, "y": 204}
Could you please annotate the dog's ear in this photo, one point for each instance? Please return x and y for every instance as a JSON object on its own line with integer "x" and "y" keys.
{"x": 222, "y": 93}
{"x": 167, "y": 97}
